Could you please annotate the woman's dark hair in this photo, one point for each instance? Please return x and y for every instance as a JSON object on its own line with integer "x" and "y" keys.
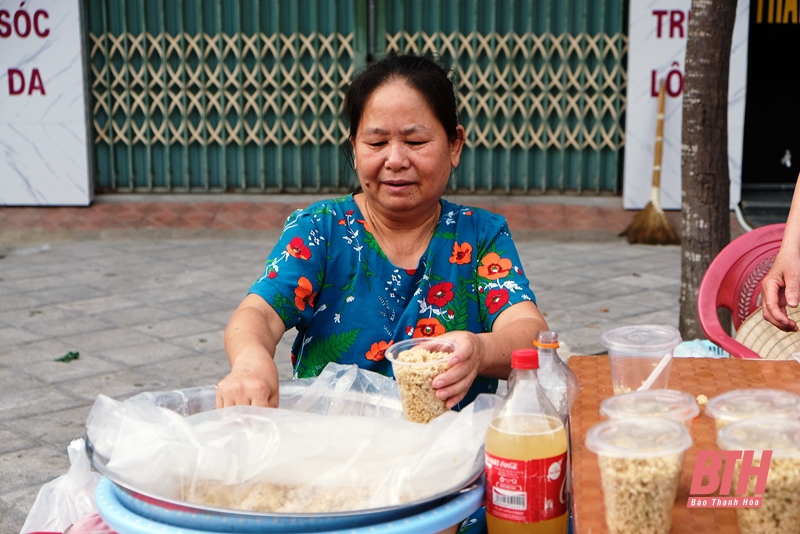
{"x": 422, "y": 73}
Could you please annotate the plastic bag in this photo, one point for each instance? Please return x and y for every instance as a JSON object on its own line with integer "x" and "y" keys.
{"x": 66, "y": 499}
{"x": 283, "y": 460}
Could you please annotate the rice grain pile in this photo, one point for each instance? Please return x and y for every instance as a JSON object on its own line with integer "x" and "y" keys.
{"x": 639, "y": 493}
{"x": 780, "y": 508}
{"x": 415, "y": 383}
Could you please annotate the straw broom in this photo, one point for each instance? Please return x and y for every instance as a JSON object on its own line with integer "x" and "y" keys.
{"x": 650, "y": 226}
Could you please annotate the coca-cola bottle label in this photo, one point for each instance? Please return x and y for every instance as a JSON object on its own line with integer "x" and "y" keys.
{"x": 526, "y": 491}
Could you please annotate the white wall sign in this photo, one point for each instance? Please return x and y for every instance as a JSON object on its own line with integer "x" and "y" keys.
{"x": 656, "y": 51}
{"x": 44, "y": 159}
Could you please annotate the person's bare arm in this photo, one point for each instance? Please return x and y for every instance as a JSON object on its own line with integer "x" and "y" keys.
{"x": 488, "y": 354}
{"x": 251, "y": 337}
{"x": 781, "y": 286}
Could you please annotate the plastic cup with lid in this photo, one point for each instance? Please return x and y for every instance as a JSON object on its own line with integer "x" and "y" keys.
{"x": 757, "y": 402}
{"x": 666, "y": 403}
{"x": 415, "y": 363}
{"x": 640, "y": 466}
{"x": 640, "y": 356}
{"x": 779, "y": 510}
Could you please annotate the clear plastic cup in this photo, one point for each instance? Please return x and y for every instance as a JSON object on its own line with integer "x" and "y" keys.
{"x": 666, "y": 403}
{"x": 415, "y": 363}
{"x": 640, "y": 466}
{"x": 746, "y": 403}
{"x": 640, "y": 356}
{"x": 780, "y": 507}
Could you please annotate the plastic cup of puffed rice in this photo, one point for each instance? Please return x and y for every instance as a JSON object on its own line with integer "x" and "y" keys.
{"x": 780, "y": 507}
{"x": 415, "y": 363}
{"x": 640, "y": 466}
{"x": 667, "y": 403}
{"x": 756, "y": 402}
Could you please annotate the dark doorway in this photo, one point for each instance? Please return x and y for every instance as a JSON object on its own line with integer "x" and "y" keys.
{"x": 771, "y": 152}
{"x": 772, "y": 112}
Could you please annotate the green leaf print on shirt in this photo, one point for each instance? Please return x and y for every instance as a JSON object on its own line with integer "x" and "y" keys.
{"x": 464, "y": 293}
{"x": 320, "y": 353}
{"x": 285, "y": 308}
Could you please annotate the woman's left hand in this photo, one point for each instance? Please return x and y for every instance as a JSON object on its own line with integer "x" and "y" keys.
{"x": 464, "y": 364}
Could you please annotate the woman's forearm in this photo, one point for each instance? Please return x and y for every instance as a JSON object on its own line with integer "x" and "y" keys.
{"x": 515, "y": 331}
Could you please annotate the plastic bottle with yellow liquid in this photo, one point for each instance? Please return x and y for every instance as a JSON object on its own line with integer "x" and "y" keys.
{"x": 526, "y": 458}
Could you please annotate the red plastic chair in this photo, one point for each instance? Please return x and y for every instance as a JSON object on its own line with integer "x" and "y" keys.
{"x": 733, "y": 281}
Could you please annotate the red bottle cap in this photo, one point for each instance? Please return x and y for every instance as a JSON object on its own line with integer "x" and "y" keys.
{"x": 525, "y": 359}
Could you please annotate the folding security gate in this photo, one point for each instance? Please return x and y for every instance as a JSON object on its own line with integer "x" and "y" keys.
{"x": 245, "y": 95}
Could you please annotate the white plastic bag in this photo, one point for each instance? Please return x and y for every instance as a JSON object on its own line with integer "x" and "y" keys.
{"x": 341, "y": 434}
{"x": 66, "y": 499}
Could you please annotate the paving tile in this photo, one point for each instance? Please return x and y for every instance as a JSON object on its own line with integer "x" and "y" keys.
{"x": 33, "y": 401}
{"x": 23, "y": 317}
{"x": 56, "y": 428}
{"x": 31, "y": 353}
{"x": 28, "y": 467}
{"x": 199, "y": 305}
{"x": 136, "y": 315}
{"x": 53, "y": 372}
{"x": 208, "y": 342}
{"x": 180, "y": 327}
{"x": 117, "y": 385}
{"x": 12, "y": 520}
{"x": 13, "y": 441}
{"x": 186, "y": 372}
{"x": 146, "y": 354}
{"x": 19, "y": 301}
{"x": 65, "y": 327}
{"x": 107, "y": 339}
{"x": 64, "y": 294}
{"x": 11, "y": 335}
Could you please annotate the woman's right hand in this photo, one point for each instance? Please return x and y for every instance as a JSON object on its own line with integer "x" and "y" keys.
{"x": 253, "y": 381}
{"x": 781, "y": 287}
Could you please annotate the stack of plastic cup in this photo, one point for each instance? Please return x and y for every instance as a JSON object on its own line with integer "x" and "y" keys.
{"x": 666, "y": 403}
{"x": 758, "y": 402}
{"x": 780, "y": 508}
{"x": 640, "y": 466}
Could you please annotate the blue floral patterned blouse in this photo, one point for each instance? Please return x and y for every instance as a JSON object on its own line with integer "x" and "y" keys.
{"x": 328, "y": 277}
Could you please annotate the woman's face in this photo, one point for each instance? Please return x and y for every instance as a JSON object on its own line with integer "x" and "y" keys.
{"x": 402, "y": 155}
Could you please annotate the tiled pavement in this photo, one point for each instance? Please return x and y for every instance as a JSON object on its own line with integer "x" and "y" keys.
{"x": 142, "y": 288}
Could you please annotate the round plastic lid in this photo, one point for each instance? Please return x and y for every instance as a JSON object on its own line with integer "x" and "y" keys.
{"x": 652, "y": 337}
{"x": 779, "y": 435}
{"x": 746, "y": 403}
{"x": 638, "y": 437}
{"x": 666, "y": 403}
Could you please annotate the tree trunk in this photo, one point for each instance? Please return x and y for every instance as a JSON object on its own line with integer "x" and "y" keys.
{"x": 705, "y": 216}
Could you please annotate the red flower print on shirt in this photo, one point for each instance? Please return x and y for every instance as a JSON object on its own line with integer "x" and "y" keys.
{"x": 440, "y": 294}
{"x": 303, "y": 294}
{"x": 462, "y": 254}
{"x": 272, "y": 274}
{"x": 494, "y": 267}
{"x": 428, "y": 328}
{"x": 366, "y": 225}
{"x": 377, "y": 351}
{"x": 298, "y": 249}
{"x": 496, "y": 299}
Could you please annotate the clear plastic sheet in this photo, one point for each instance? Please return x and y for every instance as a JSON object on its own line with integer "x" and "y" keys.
{"x": 338, "y": 443}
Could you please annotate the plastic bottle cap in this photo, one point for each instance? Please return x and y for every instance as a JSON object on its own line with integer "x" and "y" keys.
{"x": 525, "y": 359}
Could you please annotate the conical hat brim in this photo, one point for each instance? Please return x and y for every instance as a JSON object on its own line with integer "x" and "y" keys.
{"x": 766, "y": 339}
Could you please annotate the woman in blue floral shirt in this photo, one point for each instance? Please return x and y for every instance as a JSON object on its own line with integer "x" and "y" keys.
{"x": 391, "y": 262}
